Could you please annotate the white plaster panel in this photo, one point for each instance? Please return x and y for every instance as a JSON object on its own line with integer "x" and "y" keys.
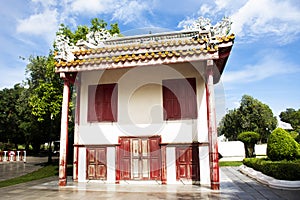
{"x": 171, "y": 165}
{"x": 82, "y": 165}
{"x": 204, "y": 165}
{"x": 111, "y": 164}
{"x": 202, "y": 114}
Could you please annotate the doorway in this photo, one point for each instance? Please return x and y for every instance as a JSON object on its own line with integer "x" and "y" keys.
{"x": 139, "y": 158}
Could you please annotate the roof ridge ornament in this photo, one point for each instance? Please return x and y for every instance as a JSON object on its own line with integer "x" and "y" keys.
{"x": 94, "y": 39}
{"x": 220, "y": 29}
{"x": 64, "y": 48}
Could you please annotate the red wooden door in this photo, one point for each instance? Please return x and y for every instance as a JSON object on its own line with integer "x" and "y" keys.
{"x": 187, "y": 163}
{"x": 140, "y": 158}
{"x": 96, "y": 164}
{"x": 125, "y": 159}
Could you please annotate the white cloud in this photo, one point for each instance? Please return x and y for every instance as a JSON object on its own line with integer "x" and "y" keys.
{"x": 253, "y": 19}
{"x": 41, "y": 24}
{"x": 133, "y": 11}
{"x": 273, "y": 64}
{"x": 88, "y": 7}
{"x": 272, "y": 17}
{"x": 45, "y": 3}
{"x": 125, "y": 11}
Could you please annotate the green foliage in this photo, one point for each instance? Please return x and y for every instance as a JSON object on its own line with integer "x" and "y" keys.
{"x": 82, "y": 31}
{"x": 282, "y": 146}
{"x": 294, "y": 134}
{"x": 230, "y": 163}
{"x": 292, "y": 117}
{"x": 252, "y": 115}
{"x": 248, "y": 137}
{"x": 10, "y": 118}
{"x": 283, "y": 170}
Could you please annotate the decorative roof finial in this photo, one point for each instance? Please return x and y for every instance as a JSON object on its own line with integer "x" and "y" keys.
{"x": 222, "y": 28}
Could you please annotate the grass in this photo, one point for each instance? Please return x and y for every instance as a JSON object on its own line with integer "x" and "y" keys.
{"x": 230, "y": 163}
{"x": 44, "y": 172}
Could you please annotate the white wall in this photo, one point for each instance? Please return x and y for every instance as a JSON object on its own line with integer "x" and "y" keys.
{"x": 140, "y": 107}
{"x": 234, "y": 150}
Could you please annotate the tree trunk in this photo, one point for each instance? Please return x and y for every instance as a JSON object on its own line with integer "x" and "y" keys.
{"x": 50, "y": 152}
{"x": 249, "y": 150}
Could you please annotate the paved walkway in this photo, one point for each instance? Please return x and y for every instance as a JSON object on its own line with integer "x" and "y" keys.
{"x": 14, "y": 169}
{"x": 234, "y": 185}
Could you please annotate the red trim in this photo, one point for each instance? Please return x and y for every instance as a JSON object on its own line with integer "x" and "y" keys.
{"x": 163, "y": 165}
{"x": 118, "y": 163}
{"x": 75, "y": 164}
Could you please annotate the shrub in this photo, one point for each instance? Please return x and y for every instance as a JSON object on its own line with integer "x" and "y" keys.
{"x": 249, "y": 139}
{"x": 282, "y": 146}
{"x": 283, "y": 170}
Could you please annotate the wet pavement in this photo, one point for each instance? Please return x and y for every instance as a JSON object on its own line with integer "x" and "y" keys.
{"x": 234, "y": 185}
{"x": 14, "y": 169}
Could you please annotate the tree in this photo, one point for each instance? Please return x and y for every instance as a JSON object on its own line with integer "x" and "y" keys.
{"x": 45, "y": 98}
{"x": 249, "y": 139}
{"x": 46, "y": 87}
{"x": 292, "y": 117}
{"x": 9, "y": 116}
{"x": 252, "y": 115}
{"x": 230, "y": 125}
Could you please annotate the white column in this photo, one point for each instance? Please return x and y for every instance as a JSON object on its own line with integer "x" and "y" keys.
{"x": 64, "y": 136}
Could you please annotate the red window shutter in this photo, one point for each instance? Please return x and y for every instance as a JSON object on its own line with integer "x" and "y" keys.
{"x": 179, "y": 99}
{"x": 103, "y": 102}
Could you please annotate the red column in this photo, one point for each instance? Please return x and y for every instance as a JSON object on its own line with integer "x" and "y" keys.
{"x": 163, "y": 165}
{"x": 64, "y": 135}
{"x": 212, "y": 129}
{"x": 76, "y": 128}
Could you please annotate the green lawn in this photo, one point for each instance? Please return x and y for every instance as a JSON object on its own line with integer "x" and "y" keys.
{"x": 47, "y": 171}
{"x": 230, "y": 163}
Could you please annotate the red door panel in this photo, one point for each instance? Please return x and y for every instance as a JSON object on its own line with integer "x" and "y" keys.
{"x": 187, "y": 163}
{"x": 140, "y": 158}
{"x": 124, "y": 163}
{"x": 96, "y": 163}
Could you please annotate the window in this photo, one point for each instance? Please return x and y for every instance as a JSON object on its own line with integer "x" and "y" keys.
{"x": 102, "y": 102}
{"x": 179, "y": 99}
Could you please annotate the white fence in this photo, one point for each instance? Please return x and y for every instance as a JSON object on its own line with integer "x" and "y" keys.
{"x": 234, "y": 150}
{"x": 12, "y": 156}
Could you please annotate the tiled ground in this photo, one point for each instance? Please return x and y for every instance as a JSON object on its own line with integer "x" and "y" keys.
{"x": 234, "y": 185}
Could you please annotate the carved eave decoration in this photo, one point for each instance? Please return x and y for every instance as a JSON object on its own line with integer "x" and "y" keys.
{"x": 198, "y": 41}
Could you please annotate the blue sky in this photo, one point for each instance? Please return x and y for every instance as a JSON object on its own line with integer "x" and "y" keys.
{"x": 264, "y": 63}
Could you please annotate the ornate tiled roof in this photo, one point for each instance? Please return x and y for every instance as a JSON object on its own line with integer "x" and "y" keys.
{"x": 150, "y": 49}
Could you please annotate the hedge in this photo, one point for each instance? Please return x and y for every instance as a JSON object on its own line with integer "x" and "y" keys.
{"x": 282, "y": 146}
{"x": 282, "y": 170}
